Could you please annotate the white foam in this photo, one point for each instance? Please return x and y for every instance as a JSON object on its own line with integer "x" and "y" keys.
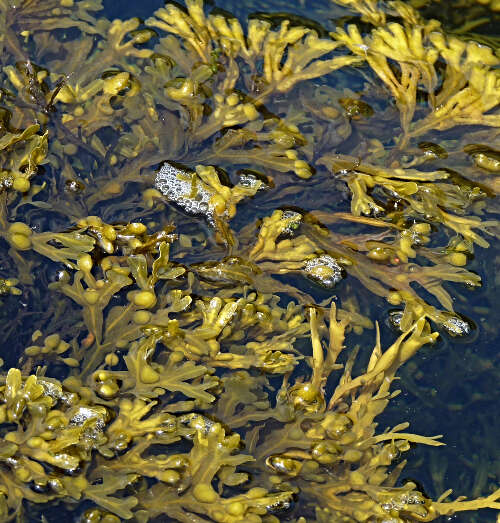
{"x": 185, "y": 189}
{"x": 457, "y": 326}
{"x": 249, "y": 181}
{"x": 324, "y": 270}
{"x": 295, "y": 221}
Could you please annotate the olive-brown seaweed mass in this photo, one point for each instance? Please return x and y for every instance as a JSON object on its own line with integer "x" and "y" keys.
{"x": 194, "y": 214}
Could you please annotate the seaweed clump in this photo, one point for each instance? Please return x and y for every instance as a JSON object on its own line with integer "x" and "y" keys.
{"x": 187, "y": 359}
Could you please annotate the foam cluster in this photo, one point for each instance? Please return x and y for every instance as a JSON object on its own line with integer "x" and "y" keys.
{"x": 295, "y": 221}
{"x": 185, "y": 188}
{"x": 249, "y": 181}
{"x": 456, "y": 326}
{"x": 324, "y": 270}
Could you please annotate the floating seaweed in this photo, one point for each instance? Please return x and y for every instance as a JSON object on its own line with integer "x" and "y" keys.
{"x": 196, "y": 214}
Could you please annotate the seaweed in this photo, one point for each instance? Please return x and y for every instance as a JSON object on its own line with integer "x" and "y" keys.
{"x": 205, "y": 215}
